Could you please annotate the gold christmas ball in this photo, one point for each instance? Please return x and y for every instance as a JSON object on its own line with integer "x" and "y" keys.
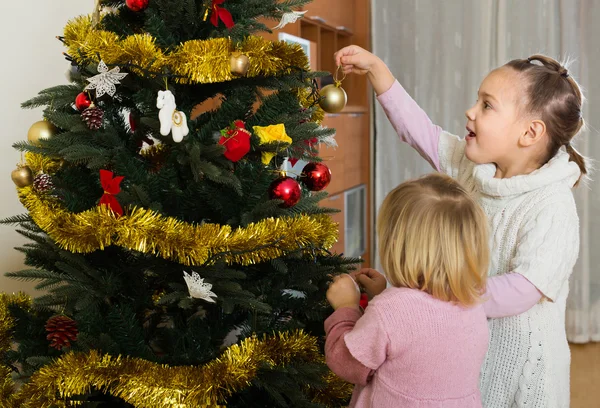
{"x": 22, "y": 176}
{"x": 41, "y": 130}
{"x": 334, "y": 98}
{"x": 239, "y": 63}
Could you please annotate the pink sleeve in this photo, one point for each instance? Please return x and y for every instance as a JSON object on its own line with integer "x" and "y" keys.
{"x": 337, "y": 356}
{"x": 411, "y": 123}
{"x": 368, "y": 342}
{"x": 509, "y": 295}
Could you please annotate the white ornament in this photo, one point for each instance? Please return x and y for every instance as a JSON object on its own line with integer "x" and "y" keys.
{"x": 293, "y": 171}
{"x": 294, "y": 294}
{"x": 329, "y": 141}
{"x": 197, "y": 288}
{"x": 105, "y": 81}
{"x": 171, "y": 120}
{"x": 288, "y": 18}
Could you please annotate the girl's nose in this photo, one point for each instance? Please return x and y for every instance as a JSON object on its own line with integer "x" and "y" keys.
{"x": 470, "y": 113}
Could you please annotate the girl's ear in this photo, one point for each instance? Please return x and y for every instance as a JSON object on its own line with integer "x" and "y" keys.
{"x": 535, "y": 132}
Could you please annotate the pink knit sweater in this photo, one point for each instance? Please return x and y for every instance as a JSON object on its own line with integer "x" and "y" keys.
{"x": 409, "y": 350}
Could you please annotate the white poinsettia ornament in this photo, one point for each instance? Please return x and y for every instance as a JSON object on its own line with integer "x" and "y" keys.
{"x": 289, "y": 18}
{"x": 198, "y": 288}
{"x": 105, "y": 81}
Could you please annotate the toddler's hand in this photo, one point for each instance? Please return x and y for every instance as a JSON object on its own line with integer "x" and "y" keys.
{"x": 354, "y": 59}
{"x": 373, "y": 281}
{"x": 343, "y": 292}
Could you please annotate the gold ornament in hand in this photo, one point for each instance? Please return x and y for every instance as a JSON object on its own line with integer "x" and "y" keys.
{"x": 333, "y": 97}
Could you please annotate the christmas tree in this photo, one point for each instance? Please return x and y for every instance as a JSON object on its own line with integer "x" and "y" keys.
{"x": 180, "y": 266}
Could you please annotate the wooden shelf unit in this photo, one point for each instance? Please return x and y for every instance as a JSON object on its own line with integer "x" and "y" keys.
{"x": 331, "y": 25}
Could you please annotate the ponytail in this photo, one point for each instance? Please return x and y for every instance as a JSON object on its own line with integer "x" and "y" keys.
{"x": 574, "y": 156}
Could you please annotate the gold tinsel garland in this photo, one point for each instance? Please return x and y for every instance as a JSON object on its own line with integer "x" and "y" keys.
{"x": 149, "y": 385}
{"x": 194, "y": 61}
{"x": 149, "y": 232}
{"x": 7, "y": 322}
{"x": 37, "y": 163}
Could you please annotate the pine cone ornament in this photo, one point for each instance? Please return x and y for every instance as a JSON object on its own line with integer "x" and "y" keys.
{"x": 92, "y": 117}
{"x": 43, "y": 183}
{"x": 62, "y": 330}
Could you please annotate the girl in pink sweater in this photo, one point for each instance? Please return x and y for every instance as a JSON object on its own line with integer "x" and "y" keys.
{"x": 421, "y": 342}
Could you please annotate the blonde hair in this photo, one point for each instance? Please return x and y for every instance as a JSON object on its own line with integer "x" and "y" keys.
{"x": 433, "y": 236}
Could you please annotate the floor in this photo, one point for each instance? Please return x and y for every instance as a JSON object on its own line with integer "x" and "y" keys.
{"x": 585, "y": 375}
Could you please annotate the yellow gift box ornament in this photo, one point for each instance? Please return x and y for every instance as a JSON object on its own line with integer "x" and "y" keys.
{"x": 271, "y": 134}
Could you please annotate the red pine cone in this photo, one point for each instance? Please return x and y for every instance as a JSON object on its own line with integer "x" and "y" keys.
{"x": 93, "y": 117}
{"x": 62, "y": 330}
{"x": 43, "y": 183}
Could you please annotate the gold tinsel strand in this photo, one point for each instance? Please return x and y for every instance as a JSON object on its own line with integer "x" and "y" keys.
{"x": 7, "y": 322}
{"x": 7, "y": 388}
{"x": 38, "y": 162}
{"x": 194, "y": 61}
{"x": 149, "y": 232}
{"x": 149, "y": 385}
{"x": 303, "y": 96}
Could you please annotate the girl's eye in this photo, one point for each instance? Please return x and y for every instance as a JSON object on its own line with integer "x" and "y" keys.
{"x": 487, "y": 105}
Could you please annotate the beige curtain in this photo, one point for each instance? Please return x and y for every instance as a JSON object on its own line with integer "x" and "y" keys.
{"x": 441, "y": 50}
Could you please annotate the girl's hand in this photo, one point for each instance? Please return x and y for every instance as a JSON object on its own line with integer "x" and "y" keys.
{"x": 343, "y": 292}
{"x": 355, "y": 60}
{"x": 374, "y": 282}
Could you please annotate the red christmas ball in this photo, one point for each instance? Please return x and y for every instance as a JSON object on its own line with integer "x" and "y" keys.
{"x": 286, "y": 189}
{"x": 316, "y": 176}
{"x": 137, "y": 5}
{"x": 364, "y": 300}
{"x": 82, "y": 101}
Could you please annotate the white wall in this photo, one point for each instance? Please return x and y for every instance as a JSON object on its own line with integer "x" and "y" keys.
{"x": 31, "y": 61}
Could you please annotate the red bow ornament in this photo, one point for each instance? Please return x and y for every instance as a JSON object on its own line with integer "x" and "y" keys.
{"x": 111, "y": 187}
{"x": 236, "y": 140}
{"x": 219, "y": 13}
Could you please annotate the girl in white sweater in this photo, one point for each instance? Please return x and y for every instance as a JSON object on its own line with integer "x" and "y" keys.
{"x": 518, "y": 161}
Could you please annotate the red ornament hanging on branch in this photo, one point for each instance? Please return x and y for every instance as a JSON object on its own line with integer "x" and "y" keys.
{"x": 82, "y": 101}
{"x": 287, "y": 189}
{"x": 137, "y": 5}
{"x": 132, "y": 122}
{"x": 111, "y": 186}
{"x": 236, "y": 140}
{"x": 316, "y": 176}
{"x": 219, "y": 13}
{"x": 62, "y": 330}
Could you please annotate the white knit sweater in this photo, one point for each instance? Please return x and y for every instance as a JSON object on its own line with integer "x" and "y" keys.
{"x": 535, "y": 232}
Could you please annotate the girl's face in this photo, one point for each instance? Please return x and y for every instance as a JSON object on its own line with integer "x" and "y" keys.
{"x": 494, "y": 123}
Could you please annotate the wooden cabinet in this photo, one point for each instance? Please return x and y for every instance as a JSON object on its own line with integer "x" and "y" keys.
{"x": 338, "y": 14}
{"x": 349, "y": 161}
{"x": 330, "y": 25}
